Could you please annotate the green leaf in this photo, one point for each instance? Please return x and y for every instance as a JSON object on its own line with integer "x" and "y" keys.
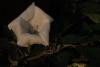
{"x": 74, "y": 65}
{"x": 89, "y": 7}
{"x": 94, "y": 17}
{"x": 87, "y": 28}
{"x": 73, "y": 39}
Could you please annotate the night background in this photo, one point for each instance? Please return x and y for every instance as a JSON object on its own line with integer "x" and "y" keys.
{"x": 74, "y": 34}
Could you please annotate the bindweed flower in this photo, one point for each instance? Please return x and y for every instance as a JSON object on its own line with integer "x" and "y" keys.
{"x": 31, "y": 27}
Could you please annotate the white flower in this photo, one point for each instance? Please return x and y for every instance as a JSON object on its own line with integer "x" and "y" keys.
{"x": 31, "y": 27}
